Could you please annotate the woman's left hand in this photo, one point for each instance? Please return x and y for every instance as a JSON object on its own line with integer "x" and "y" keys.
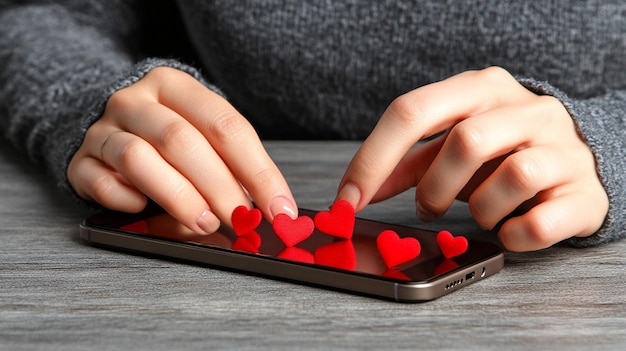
{"x": 503, "y": 149}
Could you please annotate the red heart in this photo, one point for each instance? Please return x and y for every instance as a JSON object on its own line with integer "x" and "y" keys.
{"x": 395, "y": 250}
{"x": 339, "y": 254}
{"x": 339, "y": 221}
{"x": 249, "y": 242}
{"x": 296, "y": 254}
{"x": 244, "y": 220}
{"x": 292, "y": 231}
{"x": 253, "y": 238}
{"x": 395, "y": 274}
{"x": 137, "y": 227}
{"x": 446, "y": 266}
{"x": 451, "y": 246}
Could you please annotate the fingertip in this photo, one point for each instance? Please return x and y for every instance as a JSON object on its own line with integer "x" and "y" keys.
{"x": 123, "y": 198}
{"x": 282, "y": 204}
{"x": 518, "y": 235}
{"x": 423, "y": 214}
{"x": 504, "y": 239}
{"x": 208, "y": 222}
{"x": 513, "y": 237}
{"x": 351, "y": 193}
{"x": 137, "y": 203}
{"x": 431, "y": 204}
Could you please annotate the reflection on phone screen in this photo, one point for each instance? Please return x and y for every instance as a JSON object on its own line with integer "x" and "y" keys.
{"x": 358, "y": 254}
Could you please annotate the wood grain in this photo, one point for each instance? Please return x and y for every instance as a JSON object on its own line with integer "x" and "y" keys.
{"x": 58, "y": 293}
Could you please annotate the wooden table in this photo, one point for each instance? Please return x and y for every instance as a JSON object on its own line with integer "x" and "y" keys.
{"x": 59, "y": 293}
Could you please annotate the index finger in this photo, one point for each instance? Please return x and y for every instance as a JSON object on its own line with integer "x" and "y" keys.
{"x": 236, "y": 142}
{"x": 421, "y": 113}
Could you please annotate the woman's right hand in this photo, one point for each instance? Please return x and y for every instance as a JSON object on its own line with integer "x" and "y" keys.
{"x": 169, "y": 138}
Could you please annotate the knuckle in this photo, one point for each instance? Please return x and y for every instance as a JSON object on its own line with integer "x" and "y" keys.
{"x": 138, "y": 92}
{"x": 367, "y": 162}
{"x": 177, "y": 135}
{"x": 101, "y": 189}
{"x": 499, "y": 78}
{"x": 550, "y": 102}
{"x": 495, "y": 74}
{"x": 162, "y": 74}
{"x": 180, "y": 192}
{"x": 159, "y": 78}
{"x": 129, "y": 151}
{"x": 265, "y": 178}
{"x": 539, "y": 229}
{"x": 175, "y": 194}
{"x": 468, "y": 140}
{"x": 407, "y": 109}
{"x": 522, "y": 172}
{"x": 95, "y": 141}
{"x": 227, "y": 126}
{"x": 93, "y": 133}
{"x": 553, "y": 110}
{"x": 120, "y": 100}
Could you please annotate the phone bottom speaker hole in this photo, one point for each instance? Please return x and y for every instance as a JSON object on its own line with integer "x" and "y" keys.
{"x": 454, "y": 283}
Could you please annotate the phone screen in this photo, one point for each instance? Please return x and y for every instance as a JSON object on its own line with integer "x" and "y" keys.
{"x": 358, "y": 255}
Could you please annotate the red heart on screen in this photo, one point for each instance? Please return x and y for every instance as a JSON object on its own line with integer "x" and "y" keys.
{"x": 395, "y": 274}
{"x": 339, "y": 221}
{"x": 244, "y": 220}
{"x": 253, "y": 238}
{"x": 339, "y": 254}
{"x": 292, "y": 231}
{"x": 451, "y": 246}
{"x": 296, "y": 254}
{"x": 137, "y": 227}
{"x": 249, "y": 242}
{"x": 395, "y": 250}
{"x": 446, "y": 266}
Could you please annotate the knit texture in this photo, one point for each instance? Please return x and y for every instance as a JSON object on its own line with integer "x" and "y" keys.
{"x": 319, "y": 69}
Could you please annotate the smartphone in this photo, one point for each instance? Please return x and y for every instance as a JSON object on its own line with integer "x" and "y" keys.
{"x": 351, "y": 265}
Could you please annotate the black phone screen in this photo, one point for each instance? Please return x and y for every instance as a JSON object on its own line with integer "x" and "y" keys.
{"x": 358, "y": 255}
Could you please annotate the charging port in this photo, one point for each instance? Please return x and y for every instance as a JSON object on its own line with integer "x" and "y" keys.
{"x": 470, "y": 275}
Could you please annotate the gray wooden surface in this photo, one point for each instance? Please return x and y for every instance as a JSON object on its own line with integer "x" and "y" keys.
{"x": 59, "y": 293}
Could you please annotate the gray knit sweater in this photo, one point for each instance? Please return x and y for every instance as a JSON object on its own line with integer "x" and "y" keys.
{"x": 310, "y": 69}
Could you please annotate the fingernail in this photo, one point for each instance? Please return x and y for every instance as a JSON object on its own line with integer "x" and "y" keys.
{"x": 283, "y": 205}
{"x": 208, "y": 222}
{"x": 351, "y": 193}
{"x": 424, "y": 215}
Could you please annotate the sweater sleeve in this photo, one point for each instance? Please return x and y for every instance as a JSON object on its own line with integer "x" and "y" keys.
{"x": 59, "y": 64}
{"x": 601, "y": 121}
